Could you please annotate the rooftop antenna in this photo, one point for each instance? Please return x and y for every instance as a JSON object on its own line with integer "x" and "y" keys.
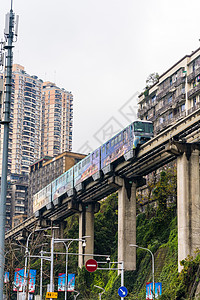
{"x": 10, "y": 32}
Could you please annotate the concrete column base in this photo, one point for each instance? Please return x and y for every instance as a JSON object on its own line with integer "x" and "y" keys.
{"x": 86, "y": 228}
{"x": 188, "y": 202}
{"x": 127, "y": 224}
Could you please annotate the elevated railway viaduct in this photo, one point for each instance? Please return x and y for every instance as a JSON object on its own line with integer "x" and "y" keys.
{"x": 180, "y": 142}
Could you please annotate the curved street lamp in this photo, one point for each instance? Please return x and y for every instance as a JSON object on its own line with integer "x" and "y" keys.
{"x": 27, "y": 254}
{"x": 75, "y": 296}
{"x": 100, "y": 289}
{"x": 64, "y": 241}
{"x": 136, "y": 246}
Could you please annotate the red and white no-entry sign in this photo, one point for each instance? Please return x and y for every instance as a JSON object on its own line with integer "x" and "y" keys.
{"x": 91, "y": 265}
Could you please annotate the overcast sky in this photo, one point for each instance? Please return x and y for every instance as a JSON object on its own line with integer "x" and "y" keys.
{"x": 102, "y": 51}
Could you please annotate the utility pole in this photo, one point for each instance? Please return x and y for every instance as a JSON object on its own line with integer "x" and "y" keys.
{"x": 9, "y": 33}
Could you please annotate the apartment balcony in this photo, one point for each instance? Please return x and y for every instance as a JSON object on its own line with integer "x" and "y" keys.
{"x": 160, "y": 95}
{"x": 179, "y": 81}
{"x": 153, "y": 118}
{"x": 140, "y": 111}
{"x": 195, "y": 107}
{"x": 193, "y": 92}
{"x": 192, "y": 75}
{"x": 179, "y": 98}
{"x": 166, "y": 107}
{"x": 167, "y": 90}
{"x": 164, "y": 125}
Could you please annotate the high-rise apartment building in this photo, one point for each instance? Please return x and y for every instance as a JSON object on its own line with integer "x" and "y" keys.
{"x": 40, "y": 124}
{"x": 57, "y": 120}
{"x": 41, "y": 121}
{"x": 174, "y": 95}
{"x": 26, "y": 122}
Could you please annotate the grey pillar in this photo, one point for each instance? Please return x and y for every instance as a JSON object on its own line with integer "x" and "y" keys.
{"x": 86, "y": 228}
{"x": 59, "y": 234}
{"x": 188, "y": 202}
{"x": 127, "y": 225}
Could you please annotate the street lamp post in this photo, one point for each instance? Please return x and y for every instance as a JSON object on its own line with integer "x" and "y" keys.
{"x": 100, "y": 289}
{"x": 152, "y": 264}
{"x": 41, "y": 270}
{"x": 67, "y": 252}
{"x": 27, "y": 254}
{"x": 75, "y": 296}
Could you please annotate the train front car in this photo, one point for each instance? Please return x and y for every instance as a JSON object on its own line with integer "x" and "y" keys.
{"x": 88, "y": 167}
{"x": 124, "y": 144}
{"x": 142, "y": 132}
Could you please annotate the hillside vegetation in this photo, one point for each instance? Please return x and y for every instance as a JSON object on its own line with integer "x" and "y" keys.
{"x": 156, "y": 230}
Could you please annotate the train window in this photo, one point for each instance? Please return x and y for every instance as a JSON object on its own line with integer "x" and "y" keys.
{"x": 75, "y": 169}
{"x": 107, "y": 147}
{"x": 103, "y": 148}
{"x": 112, "y": 142}
{"x": 116, "y": 140}
{"x": 119, "y": 137}
{"x": 149, "y": 127}
{"x": 79, "y": 166}
{"x": 124, "y": 134}
{"x": 92, "y": 156}
{"x": 131, "y": 130}
{"x": 70, "y": 172}
{"x": 139, "y": 126}
{"x": 97, "y": 154}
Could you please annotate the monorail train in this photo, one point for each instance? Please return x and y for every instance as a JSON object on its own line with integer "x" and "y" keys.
{"x": 118, "y": 147}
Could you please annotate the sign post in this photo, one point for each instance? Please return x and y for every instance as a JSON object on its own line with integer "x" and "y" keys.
{"x": 91, "y": 265}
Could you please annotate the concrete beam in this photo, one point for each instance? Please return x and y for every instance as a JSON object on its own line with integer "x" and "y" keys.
{"x": 188, "y": 202}
{"x": 127, "y": 225}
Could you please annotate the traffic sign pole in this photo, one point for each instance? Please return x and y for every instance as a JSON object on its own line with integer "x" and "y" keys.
{"x": 122, "y": 274}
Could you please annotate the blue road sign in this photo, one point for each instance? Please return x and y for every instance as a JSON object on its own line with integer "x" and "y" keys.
{"x": 122, "y": 291}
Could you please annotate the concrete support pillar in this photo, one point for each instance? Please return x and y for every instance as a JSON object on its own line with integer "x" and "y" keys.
{"x": 127, "y": 224}
{"x": 188, "y": 202}
{"x": 86, "y": 228}
{"x": 59, "y": 234}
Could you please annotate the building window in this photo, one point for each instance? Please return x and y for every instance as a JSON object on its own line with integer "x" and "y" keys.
{"x": 170, "y": 116}
{"x": 182, "y": 107}
{"x": 170, "y": 99}
{"x": 161, "y": 120}
{"x": 153, "y": 98}
{"x": 194, "y": 101}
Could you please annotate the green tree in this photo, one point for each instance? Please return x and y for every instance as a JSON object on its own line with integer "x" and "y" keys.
{"x": 151, "y": 79}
